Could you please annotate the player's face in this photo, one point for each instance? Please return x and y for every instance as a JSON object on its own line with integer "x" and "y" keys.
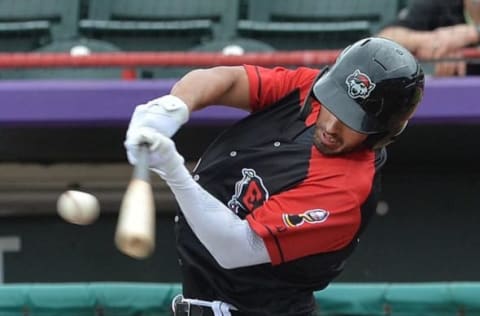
{"x": 332, "y": 137}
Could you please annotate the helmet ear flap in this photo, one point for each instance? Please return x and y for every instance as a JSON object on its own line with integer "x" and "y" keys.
{"x": 306, "y": 107}
{"x": 380, "y": 140}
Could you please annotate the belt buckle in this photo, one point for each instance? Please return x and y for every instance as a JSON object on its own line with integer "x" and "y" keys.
{"x": 181, "y": 307}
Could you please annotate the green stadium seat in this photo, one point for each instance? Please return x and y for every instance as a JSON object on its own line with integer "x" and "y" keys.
{"x": 152, "y": 25}
{"x": 314, "y": 24}
{"x": 29, "y": 24}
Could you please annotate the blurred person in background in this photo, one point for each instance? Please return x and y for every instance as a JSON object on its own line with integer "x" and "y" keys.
{"x": 434, "y": 29}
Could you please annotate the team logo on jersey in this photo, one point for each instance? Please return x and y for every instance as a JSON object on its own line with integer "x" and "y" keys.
{"x": 312, "y": 216}
{"x": 359, "y": 85}
{"x": 250, "y": 192}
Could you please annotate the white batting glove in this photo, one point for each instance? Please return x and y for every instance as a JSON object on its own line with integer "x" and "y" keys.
{"x": 163, "y": 153}
{"x": 165, "y": 115}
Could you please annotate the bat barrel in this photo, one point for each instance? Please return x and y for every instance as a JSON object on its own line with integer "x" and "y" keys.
{"x": 138, "y": 247}
{"x": 135, "y": 233}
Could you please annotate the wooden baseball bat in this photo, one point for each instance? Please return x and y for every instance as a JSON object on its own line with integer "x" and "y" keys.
{"x": 135, "y": 232}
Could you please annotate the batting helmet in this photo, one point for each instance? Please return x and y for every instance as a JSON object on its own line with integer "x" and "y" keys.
{"x": 374, "y": 87}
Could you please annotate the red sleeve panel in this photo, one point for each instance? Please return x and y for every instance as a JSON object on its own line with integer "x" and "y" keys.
{"x": 268, "y": 85}
{"x": 321, "y": 214}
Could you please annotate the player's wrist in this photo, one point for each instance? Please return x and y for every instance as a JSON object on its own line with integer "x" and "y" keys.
{"x": 173, "y": 170}
{"x": 165, "y": 115}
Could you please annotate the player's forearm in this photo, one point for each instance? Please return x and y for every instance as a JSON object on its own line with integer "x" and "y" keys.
{"x": 215, "y": 86}
{"x": 215, "y": 225}
{"x": 229, "y": 239}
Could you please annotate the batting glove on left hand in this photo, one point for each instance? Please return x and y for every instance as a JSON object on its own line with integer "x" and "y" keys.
{"x": 165, "y": 115}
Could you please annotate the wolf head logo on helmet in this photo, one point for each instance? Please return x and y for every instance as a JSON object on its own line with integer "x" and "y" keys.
{"x": 359, "y": 85}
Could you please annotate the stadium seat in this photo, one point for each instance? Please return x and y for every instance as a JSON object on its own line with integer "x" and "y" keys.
{"x": 314, "y": 24}
{"x": 28, "y": 24}
{"x": 78, "y": 46}
{"x": 153, "y": 25}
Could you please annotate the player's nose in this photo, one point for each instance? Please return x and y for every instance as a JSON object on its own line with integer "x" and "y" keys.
{"x": 333, "y": 125}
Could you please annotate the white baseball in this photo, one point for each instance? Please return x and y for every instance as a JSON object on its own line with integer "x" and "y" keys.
{"x": 78, "y": 207}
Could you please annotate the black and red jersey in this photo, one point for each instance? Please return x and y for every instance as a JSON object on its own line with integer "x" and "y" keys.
{"x": 307, "y": 207}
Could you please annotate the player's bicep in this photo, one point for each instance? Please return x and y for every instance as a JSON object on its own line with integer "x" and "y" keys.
{"x": 238, "y": 93}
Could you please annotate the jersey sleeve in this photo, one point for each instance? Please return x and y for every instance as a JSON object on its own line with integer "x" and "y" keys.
{"x": 321, "y": 214}
{"x": 268, "y": 85}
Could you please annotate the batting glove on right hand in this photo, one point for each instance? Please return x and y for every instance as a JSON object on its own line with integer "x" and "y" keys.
{"x": 165, "y": 115}
{"x": 163, "y": 157}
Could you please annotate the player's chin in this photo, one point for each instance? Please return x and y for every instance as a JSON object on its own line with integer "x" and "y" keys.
{"x": 328, "y": 150}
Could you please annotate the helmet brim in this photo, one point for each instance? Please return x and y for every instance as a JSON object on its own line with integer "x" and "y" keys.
{"x": 333, "y": 97}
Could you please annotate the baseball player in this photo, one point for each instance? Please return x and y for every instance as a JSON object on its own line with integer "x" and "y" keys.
{"x": 277, "y": 202}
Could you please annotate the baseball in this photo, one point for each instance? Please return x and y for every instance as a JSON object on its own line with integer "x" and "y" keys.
{"x": 78, "y": 207}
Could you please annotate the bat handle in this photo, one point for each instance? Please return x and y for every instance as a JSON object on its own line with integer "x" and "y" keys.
{"x": 141, "y": 170}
